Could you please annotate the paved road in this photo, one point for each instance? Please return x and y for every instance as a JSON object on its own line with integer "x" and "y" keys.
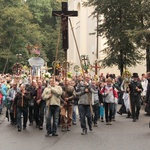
{"x": 122, "y": 135}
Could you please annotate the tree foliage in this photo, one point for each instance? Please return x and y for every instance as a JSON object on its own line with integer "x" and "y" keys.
{"x": 117, "y": 19}
{"x": 25, "y": 23}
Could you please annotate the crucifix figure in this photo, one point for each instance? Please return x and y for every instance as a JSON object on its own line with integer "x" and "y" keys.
{"x": 64, "y": 14}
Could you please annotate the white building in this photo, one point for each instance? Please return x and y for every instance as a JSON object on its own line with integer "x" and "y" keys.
{"x": 83, "y": 26}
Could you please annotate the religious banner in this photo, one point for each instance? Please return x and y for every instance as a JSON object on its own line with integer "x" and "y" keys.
{"x": 36, "y": 63}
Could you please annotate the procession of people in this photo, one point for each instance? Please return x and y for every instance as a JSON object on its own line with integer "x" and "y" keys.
{"x": 52, "y": 101}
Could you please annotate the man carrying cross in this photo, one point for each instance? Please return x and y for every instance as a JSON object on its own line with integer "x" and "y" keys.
{"x": 68, "y": 92}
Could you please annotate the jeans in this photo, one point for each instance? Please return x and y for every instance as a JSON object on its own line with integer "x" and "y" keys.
{"x": 114, "y": 110}
{"x": 74, "y": 114}
{"x": 102, "y": 111}
{"x": 84, "y": 111}
{"x": 1, "y": 108}
{"x": 25, "y": 117}
{"x": 108, "y": 111}
{"x": 39, "y": 113}
{"x": 95, "y": 110}
{"x": 52, "y": 112}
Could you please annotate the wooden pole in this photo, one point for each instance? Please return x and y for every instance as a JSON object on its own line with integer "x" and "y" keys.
{"x": 77, "y": 48}
{"x": 56, "y": 56}
{"x": 80, "y": 63}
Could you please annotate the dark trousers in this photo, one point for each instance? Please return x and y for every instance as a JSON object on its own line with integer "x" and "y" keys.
{"x": 108, "y": 111}
{"x": 96, "y": 112}
{"x": 135, "y": 106}
{"x": 39, "y": 113}
{"x": 13, "y": 114}
{"x": 52, "y": 112}
{"x": 84, "y": 111}
{"x": 122, "y": 109}
{"x": 31, "y": 114}
{"x": 23, "y": 111}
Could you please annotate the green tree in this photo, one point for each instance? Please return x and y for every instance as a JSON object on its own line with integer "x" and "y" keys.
{"x": 16, "y": 30}
{"x": 118, "y": 17}
{"x": 49, "y": 27}
{"x": 25, "y": 23}
{"x": 141, "y": 34}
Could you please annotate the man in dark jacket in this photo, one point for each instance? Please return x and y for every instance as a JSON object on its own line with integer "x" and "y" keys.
{"x": 135, "y": 95}
{"x": 68, "y": 96}
{"x": 21, "y": 101}
{"x": 39, "y": 105}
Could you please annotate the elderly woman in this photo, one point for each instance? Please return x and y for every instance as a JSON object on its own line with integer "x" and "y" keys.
{"x": 110, "y": 98}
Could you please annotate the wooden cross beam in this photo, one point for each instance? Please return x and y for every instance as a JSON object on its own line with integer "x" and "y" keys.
{"x": 96, "y": 67}
{"x": 85, "y": 62}
{"x": 64, "y": 14}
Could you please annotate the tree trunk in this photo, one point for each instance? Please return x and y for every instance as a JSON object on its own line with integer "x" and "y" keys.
{"x": 147, "y": 59}
{"x": 121, "y": 65}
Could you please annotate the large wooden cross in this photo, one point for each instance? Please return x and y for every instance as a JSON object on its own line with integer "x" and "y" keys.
{"x": 64, "y": 14}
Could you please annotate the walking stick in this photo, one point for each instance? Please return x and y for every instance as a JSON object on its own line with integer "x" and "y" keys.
{"x": 91, "y": 109}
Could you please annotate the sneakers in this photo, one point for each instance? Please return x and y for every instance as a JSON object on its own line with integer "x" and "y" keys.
{"x": 74, "y": 123}
{"x": 109, "y": 123}
{"x": 51, "y": 134}
{"x": 54, "y": 134}
{"x": 48, "y": 134}
{"x": 24, "y": 128}
{"x": 96, "y": 125}
{"x": 19, "y": 129}
{"x": 63, "y": 129}
{"x": 118, "y": 112}
{"x": 84, "y": 131}
{"x": 68, "y": 129}
{"x": 30, "y": 124}
{"x": 134, "y": 120}
{"x": 90, "y": 128}
{"x": 102, "y": 120}
{"x": 41, "y": 128}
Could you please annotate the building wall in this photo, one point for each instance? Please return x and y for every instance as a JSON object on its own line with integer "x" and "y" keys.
{"x": 84, "y": 26}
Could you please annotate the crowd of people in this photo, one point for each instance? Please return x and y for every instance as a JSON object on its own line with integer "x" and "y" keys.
{"x": 55, "y": 100}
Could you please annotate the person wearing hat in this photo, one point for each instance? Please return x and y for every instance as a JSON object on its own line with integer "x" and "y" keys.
{"x": 135, "y": 88}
